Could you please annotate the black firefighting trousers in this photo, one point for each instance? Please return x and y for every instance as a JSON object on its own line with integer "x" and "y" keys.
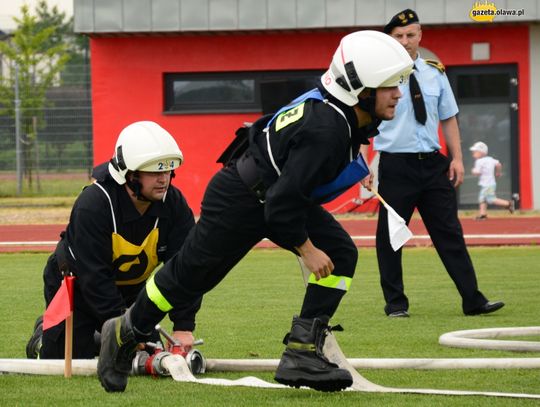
{"x": 85, "y": 325}
{"x": 231, "y": 223}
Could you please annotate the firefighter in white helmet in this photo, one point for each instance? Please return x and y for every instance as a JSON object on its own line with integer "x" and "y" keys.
{"x": 122, "y": 226}
{"x": 276, "y": 175}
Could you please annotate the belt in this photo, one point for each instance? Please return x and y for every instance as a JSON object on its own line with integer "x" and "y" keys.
{"x": 247, "y": 170}
{"x": 417, "y": 156}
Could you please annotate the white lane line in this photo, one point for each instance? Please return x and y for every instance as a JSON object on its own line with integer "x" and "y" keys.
{"x": 472, "y": 236}
{"x": 355, "y": 237}
{"x": 35, "y": 243}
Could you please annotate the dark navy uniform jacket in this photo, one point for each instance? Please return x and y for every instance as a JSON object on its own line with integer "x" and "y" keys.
{"x": 310, "y": 147}
{"x": 108, "y": 282}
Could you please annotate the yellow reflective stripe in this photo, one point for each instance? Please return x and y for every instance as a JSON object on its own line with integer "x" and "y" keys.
{"x": 301, "y": 346}
{"x": 117, "y": 327}
{"x": 337, "y": 282}
{"x": 156, "y": 297}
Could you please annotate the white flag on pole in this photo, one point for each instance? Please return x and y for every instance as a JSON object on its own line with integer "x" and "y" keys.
{"x": 397, "y": 228}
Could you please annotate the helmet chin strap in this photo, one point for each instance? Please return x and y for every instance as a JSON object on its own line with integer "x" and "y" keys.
{"x": 133, "y": 183}
{"x": 367, "y": 104}
{"x": 136, "y": 189}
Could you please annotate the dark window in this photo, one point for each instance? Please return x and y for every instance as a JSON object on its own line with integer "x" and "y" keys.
{"x": 235, "y": 91}
{"x": 494, "y": 85}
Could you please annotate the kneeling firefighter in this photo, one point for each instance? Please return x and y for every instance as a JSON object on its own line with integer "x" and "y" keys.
{"x": 121, "y": 228}
{"x": 276, "y": 175}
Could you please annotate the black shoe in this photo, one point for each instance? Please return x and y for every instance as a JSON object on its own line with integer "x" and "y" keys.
{"x": 487, "y": 308}
{"x": 399, "y": 314}
{"x": 118, "y": 347}
{"x": 34, "y": 343}
{"x": 303, "y": 362}
{"x": 481, "y": 217}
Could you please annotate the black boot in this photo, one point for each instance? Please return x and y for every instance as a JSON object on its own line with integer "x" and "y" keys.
{"x": 118, "y": 347}
{"x": 303, "y": 362}
{"x": 34, "y": 343}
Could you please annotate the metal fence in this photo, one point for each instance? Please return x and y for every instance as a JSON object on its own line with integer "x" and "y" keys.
{"x": 56, "y": 158}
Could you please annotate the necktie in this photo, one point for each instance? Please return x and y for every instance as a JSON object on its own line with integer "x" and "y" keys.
{"x": 417, "y": 100}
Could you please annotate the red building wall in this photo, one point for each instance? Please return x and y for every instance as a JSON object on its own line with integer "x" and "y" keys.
{"x": 127, "y": 85}
{"x": 128, "y": 75}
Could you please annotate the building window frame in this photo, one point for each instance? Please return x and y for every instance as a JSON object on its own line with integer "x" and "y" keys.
{"x": 171, "y": 105}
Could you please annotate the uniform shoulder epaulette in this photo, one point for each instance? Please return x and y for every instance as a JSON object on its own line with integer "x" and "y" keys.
{"x": 435, "y": 64}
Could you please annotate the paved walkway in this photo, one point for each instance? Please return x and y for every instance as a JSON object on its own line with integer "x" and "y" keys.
{"x": 511, "y": 230}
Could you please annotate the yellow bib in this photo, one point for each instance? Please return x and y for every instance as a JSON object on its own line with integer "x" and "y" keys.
{"x": 134, "y": 264}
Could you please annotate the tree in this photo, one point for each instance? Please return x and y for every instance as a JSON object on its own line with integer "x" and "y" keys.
{"x": 37, "y": 50}
{"x": 76, "y": 45}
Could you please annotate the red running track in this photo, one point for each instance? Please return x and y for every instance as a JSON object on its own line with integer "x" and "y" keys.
{"x": 517, "y": 230}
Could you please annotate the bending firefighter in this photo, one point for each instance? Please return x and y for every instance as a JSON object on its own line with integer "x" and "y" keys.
{"x": 276, "y": 175}
{"x": 121, "y": 228}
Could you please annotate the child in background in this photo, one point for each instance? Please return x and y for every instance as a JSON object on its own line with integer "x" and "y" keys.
{"x": 487, "y": 169}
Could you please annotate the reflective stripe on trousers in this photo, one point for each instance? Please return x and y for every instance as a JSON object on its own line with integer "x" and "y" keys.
{"x": 337, "y": 282}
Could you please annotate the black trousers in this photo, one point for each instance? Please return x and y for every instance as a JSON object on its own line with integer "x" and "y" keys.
{"x": 231, "y": 223}
{"x": 407, "y": 183}
{"x": 85, "y": 325}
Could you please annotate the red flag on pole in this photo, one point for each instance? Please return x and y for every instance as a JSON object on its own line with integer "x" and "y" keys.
{"x": 61, "y": 305}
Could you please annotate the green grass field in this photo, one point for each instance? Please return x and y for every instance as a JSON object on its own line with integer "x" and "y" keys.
{"x": 57, "y": 184}
{"x": 247, "y": 315}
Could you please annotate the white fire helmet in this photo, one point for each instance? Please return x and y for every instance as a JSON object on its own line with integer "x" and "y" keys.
{"x": 144, "y": 146}
{"x": 366, "y": 59}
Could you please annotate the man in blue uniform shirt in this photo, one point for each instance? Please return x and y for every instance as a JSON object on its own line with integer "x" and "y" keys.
{"x": 414, "y": 174}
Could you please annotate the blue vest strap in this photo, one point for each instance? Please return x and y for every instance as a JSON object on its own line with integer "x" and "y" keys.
{"x": 354, "y": 172}
{"x": 312, "y": 94}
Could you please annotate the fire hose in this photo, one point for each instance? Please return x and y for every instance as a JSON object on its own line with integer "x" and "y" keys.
{"x": 175, "y": 365}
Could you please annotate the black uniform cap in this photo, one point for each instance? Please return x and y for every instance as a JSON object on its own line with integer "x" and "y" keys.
{"x": 401, "y": 19}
